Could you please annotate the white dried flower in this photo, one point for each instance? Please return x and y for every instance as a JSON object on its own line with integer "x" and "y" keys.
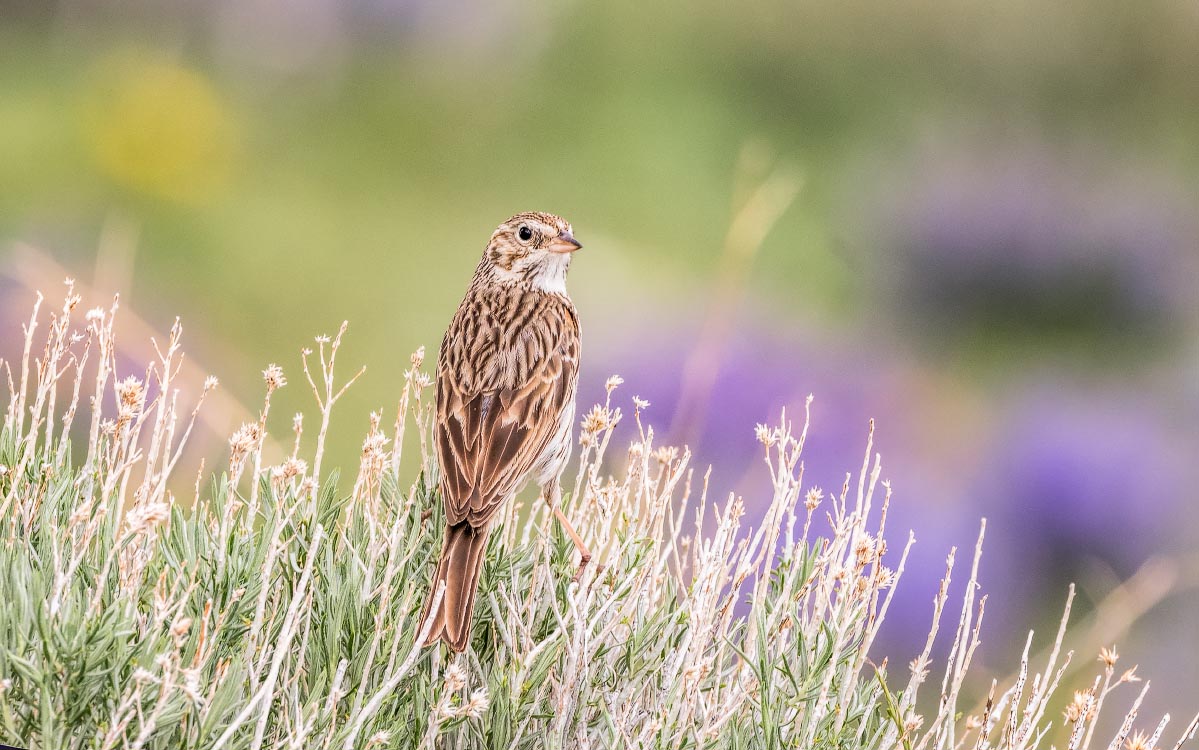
{"x": 145, "y": 517}
{"x": 130, "y": 392}
{"x": 292, "y": 467}
{"x": 597, "y": 420}
{"x": 813, "y": 498}
{"x": 478, "y": 703}
{"x": 374, "y": 444}
{"x": 640, "y": 403}
{"x": 418, "y": 357}
{"x": 211, "y": 382}
{"x": 1080, "y": 707}
{"x": 1109, "y": 656}
{"x": 884, "y": 577}
{"x": 913, "y": 723}
{"x": 612, "y": 383}
{"x": 274, "y": 378}
{"x": 244, "y": 440}
{"x": 142, "y": 674}
{"x": 455, "y": 678}
{"x": 864, "y": 551}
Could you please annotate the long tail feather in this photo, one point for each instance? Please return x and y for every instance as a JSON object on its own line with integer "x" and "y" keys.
{"x": 460, "y": 566}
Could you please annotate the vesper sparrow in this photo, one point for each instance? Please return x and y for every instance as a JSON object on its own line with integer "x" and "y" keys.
{"x": 506, "y": 379}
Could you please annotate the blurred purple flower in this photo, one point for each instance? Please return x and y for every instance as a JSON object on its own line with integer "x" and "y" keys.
{"x": 1025, "y": 241}
{"x": 1078, "y": 476}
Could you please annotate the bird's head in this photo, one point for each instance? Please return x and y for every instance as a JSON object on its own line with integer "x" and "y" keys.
{"x": 533, "y": 248}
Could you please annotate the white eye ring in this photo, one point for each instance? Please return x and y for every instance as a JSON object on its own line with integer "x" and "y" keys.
{"x": 524, "y": 233}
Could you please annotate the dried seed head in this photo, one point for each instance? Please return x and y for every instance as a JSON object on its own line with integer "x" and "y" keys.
{"x": 666, "y": 454}
{"x": 885, "y": 577}
{"x": 455, "y": 678}
{"x": 289, "y": 469}
{"x": 180, "y": 627}
{"x": 273, "y": 377}
{"x": 418, "y": 357}
{"x": 130, "y": 392}
{"x": 1138, "y": 741}
{"x": 144, "y": 518}
{"x": 374, "y": 444}
{"x": 243, "y": 441}
{"x": 612, "y": 383}
{"x": 1080, "y": 707}
{"x": 1130, "y": 675}
{"x": 766, "y": 435}
{"x": 211, "y": 382}
{"x": 1109, "y": 656}
{"x": 813, "y": 498}
{"x": 478, "y": 703}
{"x": 912, "y": 724}
{"x": 597, "y": 420}
{"x": 864, "y": 551}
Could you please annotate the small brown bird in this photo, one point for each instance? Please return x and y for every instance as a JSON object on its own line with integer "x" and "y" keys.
{"x": 506, "y": 379}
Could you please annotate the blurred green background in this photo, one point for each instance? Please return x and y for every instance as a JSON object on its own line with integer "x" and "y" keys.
{"x": 993, "y": 248}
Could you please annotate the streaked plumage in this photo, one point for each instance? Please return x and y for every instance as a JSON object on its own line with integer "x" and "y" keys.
{"x": 506, "y": 379}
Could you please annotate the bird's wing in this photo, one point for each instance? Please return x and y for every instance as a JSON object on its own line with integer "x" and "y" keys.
{"x": 506, "y": 371}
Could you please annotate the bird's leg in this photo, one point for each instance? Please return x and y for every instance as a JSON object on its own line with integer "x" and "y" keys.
{"x": 553, "y": 496}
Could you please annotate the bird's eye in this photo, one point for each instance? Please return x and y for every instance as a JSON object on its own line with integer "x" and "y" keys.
{"x": 524, "y": 233}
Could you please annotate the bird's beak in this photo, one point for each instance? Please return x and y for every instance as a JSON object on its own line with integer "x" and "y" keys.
{"x": 565, "y": 242}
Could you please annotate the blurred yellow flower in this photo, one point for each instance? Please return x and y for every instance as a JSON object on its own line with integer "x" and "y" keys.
{"x": 158, "y": 128}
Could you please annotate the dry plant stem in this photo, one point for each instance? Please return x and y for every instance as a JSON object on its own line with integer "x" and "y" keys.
{"x": 699, "y": 633}
{"x": 34, "y": 269}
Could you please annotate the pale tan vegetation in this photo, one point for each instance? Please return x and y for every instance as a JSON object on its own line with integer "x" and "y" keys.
{"x": 273, "y": 608}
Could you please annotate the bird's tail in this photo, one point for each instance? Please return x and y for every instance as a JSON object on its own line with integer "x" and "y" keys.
{"x": 460, "y": 566}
